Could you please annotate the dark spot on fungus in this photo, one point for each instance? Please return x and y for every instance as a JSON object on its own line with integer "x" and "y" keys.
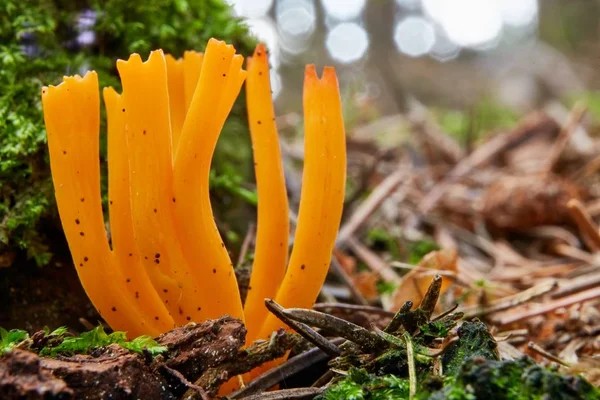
{"x": 156, "y": 261}
{"x": 174, "y": 200}
{"x": 280, "y": 244}
{"x": 123, "y": 110}
{"x": 64, "y": 152}
{"x": 128, "y": 280}
{"x": 180, "y": 311}
{"x": 156, "y": 318}
{"x": 260, "y": 73}
{"x": 82, "y": 199}
{"x": 144, "y": 132}
{"x": 302, "y": 266}
{"x": 77, "y": 221}
{"x": 188, "y": 318}
{"x": 259, "y": 53}
{"x": 155, "y": 211}
{"x": 224, "y": 75}
{"x": 114, "y": 309}
{"x": 157, "y": 255}
{"x": 214, "y": 270}
{"x": 166, "y": 290}
{"x": 81, "y": 264}
{"x": 81, "y": 234}
{"x": 130, "y": 254}
{"x": 259, "y": 122}
{"x": 222, "y": 244}
{"x": 85, "y": 259}
{"x": 110, "y": 202}
{"x": 199, "y": 308}
{"x": 137, "y": 295}
{"x": 145, "y": 257}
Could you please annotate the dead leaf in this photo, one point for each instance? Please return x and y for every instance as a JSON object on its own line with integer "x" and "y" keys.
{"x": 366, "y": 283}
{"x": 415, "y": 283}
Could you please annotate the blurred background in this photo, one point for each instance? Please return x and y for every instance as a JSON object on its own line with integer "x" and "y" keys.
{"x": 512, "y": 54}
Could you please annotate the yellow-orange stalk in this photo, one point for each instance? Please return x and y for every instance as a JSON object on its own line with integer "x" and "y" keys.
{"x": 192, "y": 67}
{"x": 124, "y": 250}
{"x": 72, "y": 117}
{"x": 271, "y": 253}
{"x": 146, "y": 108}
{"x": 322, "y": 197}
{"x": 177, "y": 106}
{"x": 219, "y": 84}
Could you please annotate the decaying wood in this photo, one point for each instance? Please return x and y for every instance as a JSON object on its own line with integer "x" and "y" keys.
{"x": 204, "y": 353}
{"x": 21, "y": 377}
{"x": 244, "y": 361}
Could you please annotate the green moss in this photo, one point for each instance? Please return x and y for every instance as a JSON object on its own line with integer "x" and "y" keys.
{"x": 513, "y": 380}
{"x": 10, "y": 339}
{"x": 437, "y": 329}
{"x": 60, "y": 342}
{"x": 476, "y": 378}
{"x": 484, "y": 117}
{"x": 474, "y": 341}
{"x": 418, "y": 250}
{"x": 97, "y": 337}
{"x": 38, "y": 46}
{"x": 380, "y": 239}
{"x": 471, "y": 365}
{"x": 359, "y": 385}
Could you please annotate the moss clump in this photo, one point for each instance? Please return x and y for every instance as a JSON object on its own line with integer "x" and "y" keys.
{"x": 513, "y": 380}
{"x": 472, "y": 371}
{"x": 359, "y": 385}
{"x": 43, "y": 40}
{"x": 474, "y": 341}
{"x": 476, "y": 379}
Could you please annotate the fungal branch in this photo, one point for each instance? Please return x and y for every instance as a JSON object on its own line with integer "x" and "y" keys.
{"x": 219, "y": 83}
{"x": 72, "y": 117}
{"x": 148, "y": 136}
{"x": 166, "y": 264}
{"x": 125, "y": 253}
{"x": 322, "y": 197}
{"x": 270, "y": 256}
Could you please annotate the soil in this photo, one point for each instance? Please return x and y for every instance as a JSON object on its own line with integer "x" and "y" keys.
{"x": 33, "y": 297}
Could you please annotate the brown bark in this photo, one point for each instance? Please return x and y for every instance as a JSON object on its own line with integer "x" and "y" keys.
{"x": 114, "y": 372}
